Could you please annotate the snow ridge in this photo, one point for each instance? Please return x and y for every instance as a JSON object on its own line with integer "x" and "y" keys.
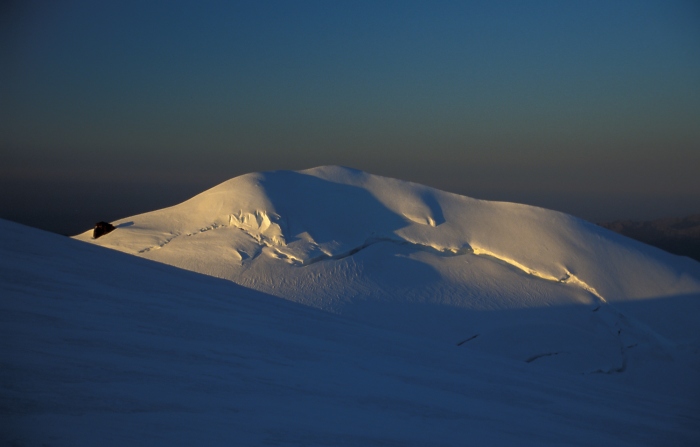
{"x": 415, "y": 259}
{"x": 138, "y": 351}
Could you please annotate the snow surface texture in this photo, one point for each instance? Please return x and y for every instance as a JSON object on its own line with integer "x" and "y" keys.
{"x": 102, "y": 348}
{"x": 526, "y": 283}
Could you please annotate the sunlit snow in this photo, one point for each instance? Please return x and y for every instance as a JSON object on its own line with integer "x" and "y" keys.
{"x": 524, "y": 282}
{"x": 350, "y": 309}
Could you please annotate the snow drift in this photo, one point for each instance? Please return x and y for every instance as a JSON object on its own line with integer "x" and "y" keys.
{"x": 101, "y": 348}
{"x": 531, "y": 284}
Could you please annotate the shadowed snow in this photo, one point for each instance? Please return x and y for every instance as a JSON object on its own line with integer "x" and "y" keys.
{"x": 101, "y": 348}
{"x": 422, "y": 261}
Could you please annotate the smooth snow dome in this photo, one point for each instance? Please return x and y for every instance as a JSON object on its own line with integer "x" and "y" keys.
{"x": 517, "y": 281}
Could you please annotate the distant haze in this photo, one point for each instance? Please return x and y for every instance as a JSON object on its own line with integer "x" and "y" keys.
{"x": 109, "y": 110}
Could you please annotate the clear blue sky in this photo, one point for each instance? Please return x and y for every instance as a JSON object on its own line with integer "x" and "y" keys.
{"x": 112, "y": 108}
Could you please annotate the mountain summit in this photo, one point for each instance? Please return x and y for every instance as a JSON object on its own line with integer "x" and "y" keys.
{"x": 519, "y": 281}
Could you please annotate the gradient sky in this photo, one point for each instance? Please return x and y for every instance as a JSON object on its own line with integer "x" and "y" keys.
{"x": 108, "y": 109}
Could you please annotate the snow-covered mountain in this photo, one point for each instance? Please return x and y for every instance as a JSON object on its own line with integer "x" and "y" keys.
{"x": 530, "y": 284}
{"x": 677, "y": 235}
{"x": 103, "y": 348}
{"x": 427, "y": 319}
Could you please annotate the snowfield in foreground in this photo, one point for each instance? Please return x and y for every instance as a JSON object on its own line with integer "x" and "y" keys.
{"x": 102, "y": 348}
{"x": 335, "y": 307}
{"x": 521, "y": 282}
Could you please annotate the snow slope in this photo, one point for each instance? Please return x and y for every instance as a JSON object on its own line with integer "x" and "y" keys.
{"x": 523, "y": 282}
{"x": 425, "y": 262}
{"x": 101, "y": 348}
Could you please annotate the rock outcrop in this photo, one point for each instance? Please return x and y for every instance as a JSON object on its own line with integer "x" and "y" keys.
{"x": 102, "y": 228}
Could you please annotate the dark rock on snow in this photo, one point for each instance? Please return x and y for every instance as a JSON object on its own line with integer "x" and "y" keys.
{"x": 102, "y": 228}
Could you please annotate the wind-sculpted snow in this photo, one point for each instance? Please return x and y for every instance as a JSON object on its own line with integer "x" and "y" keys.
{"x": 101, "y": 348}
{"x": 415, "y": 259}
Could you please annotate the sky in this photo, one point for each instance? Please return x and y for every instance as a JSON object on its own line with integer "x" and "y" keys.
{"x": 109, "y": 109}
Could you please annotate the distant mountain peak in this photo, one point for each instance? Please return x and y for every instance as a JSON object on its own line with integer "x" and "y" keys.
{"x": 416, "y": 259}
{"x": 679, "y": 235}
